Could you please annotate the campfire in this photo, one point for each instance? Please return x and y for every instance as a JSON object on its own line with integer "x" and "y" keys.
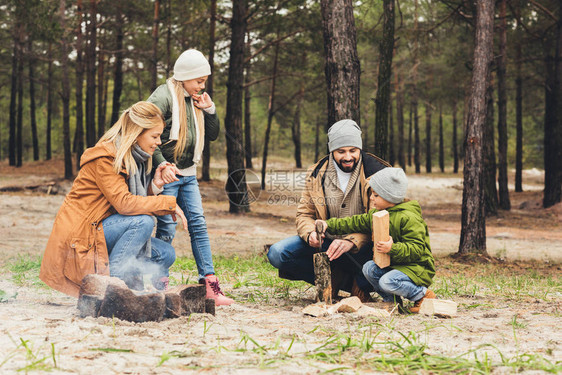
{"x": 110, "y": 297}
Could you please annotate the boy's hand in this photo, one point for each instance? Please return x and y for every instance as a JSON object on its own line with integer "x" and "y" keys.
{"x": 322, "y": 224}
{"x": 384, "y": 246}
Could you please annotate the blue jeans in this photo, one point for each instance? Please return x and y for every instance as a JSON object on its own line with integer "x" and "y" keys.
{"x": 294, "y": 257}
{"x": 126, "y": 236}
{"x": 389, "y": 282}
{"x": 188, "y": 197}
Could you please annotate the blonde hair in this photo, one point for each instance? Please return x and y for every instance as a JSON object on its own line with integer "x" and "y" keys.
{"x": 124, "y": 133}
{"x": 182, "y": 136}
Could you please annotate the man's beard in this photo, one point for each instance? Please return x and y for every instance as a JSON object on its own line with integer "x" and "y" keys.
{"x": 347, "y": 169}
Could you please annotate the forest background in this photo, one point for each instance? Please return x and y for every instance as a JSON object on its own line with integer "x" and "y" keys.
{"x": 73, "y": 66}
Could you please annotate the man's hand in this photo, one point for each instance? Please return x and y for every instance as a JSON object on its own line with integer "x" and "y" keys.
{"x": 384, "y": 246}
{"x": 181, "y": 215}
{"x": 169, "y": 173}
{"x": 313, "y": 240}
{"x": 323, "y": 225}
{"x": 338, "y": 247}
{"x": 202, "y": 101}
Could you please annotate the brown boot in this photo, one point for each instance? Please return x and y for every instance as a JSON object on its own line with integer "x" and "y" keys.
{"x": 363, "y": 296}
{"x": 416, "y": 308}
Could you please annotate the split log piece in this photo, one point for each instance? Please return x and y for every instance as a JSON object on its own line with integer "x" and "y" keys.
{"x": 380, "y": 233}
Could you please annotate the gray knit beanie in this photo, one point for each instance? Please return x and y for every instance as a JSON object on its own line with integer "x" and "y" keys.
{"x": 191, "y": 65}
{"x": 344, "y": 133}
{"x": 390, "y": 184}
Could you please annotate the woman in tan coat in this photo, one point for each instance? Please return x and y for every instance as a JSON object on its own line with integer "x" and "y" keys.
{"x": 105, "y": 225}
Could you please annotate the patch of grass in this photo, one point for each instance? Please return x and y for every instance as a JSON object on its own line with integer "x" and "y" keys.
{"x": 255, "y": 280}
{"x": 4, "y": 297}
{"x": 25, "y": 270}
{"x": 35, "y": 359}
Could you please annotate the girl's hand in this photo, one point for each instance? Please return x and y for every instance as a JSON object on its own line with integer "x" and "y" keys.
{"x": 384, "y": 246}
{"x": 181, "y": 215}
{"x": 202, "y": 101}
{"x": 157, "y": 179}
{"x": 169, "y": 173}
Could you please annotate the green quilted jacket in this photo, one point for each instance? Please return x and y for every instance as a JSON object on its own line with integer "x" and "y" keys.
{"x": 163, "y": 100}
{"x": 410, "y": 252}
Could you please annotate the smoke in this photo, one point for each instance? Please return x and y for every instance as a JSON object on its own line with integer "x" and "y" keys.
{"x": 137, "y": 271}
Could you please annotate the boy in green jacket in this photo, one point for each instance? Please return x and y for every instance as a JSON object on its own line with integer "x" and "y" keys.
{"x": 412, "y": 266}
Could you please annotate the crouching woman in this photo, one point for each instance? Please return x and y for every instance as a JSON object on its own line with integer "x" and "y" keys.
{"x": 105, "y": 223}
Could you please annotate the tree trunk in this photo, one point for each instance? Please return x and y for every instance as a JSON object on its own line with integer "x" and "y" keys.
{"x": 441, "y": 142}
{"x": 65, "y": 94}
{"x": 519, "y": 122}
{"x": 428, "y": 138}
{"x": 49, "y": 102}
{"x": 270, "y": 112}
{"x": 317, "y": 140}
{"x": 455, "y": 138}
{"x": 118, "y": 72}
{"x": 13, "y": 102}
{"x": 391, "y": 152}
{"x": 236, "y": 187}
{"x": 169, "y": 31}
{"x": 342, "y": 62}
{"x": 154, "y": 59}
{"x": 91, "y": 76}
{"x": 473, "y": 227}
{"x": 79, "y": 132}
{"x": 415, "y": 92}
{"x": 19, "y": 120}
{"x": 248, "y": 120}
{"x": 382, "y": 100}
{"x": 410, "y": 136}
{"x": 503, "y": 191}
{"x": 489, "y": 154}
{"x": 32, "y": 101}
{"x": 206, "y": 167}
{"x": 553, "y": 120}
{"x": 101, "y": 91}
{"x": 296, "y": 128}
{"x": 400, "y": 121}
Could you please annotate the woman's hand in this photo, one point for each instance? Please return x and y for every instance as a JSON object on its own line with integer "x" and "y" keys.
{"x": 181, "y": 215}
{"x": 202, "y": 101}
{"x": 168, "y": 173}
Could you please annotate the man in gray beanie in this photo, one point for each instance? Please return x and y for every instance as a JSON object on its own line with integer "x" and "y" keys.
{"x": 336, "y": 186}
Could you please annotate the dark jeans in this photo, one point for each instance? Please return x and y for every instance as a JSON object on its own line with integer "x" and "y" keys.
{"x": 294, "y": 257}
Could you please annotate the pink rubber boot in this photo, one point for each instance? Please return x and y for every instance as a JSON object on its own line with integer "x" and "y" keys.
{"x": 214, "y": 291}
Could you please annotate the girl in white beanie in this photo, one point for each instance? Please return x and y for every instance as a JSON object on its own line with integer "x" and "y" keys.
{"x": 190, "y": 117}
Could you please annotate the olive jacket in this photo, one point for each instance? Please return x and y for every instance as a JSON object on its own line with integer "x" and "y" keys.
{"x": 410, "y": 253}
{"x": 77, "y": 245}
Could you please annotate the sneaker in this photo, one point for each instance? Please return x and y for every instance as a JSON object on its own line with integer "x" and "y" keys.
{"x": 416, "y": 308}
{"x": 162, "y": 283}
{"x": 214, "y": 291}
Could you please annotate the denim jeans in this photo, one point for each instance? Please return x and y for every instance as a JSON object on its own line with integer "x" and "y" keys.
{"x": 188, "y": 197}
{"x": 389, "y": 282}
{"x": 126, "y": 236}
{"x": 294, "y": 257}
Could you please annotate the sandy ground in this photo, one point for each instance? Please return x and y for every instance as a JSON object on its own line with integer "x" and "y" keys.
{"x": 228, "y": 342}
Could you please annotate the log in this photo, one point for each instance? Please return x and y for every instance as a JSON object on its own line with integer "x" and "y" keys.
{"x": 96, "y": 285}
{"x": 380, "y": 233}
{"x": 350, "y": 305}
{"x": 438, "y": 307}
{"x": 89, "y": 305}
{"x": 185, "y": 300}
{"x": 125, "y": 304}
{"x": 210, "y": 306}
{"x": 323, "y": 278}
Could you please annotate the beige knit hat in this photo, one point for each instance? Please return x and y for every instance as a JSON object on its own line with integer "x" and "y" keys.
{"x": 191, "y": 65}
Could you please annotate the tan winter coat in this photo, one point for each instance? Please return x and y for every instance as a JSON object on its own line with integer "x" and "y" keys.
{"x": 312, "y": 205}
{"x": 77, "y": 245}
